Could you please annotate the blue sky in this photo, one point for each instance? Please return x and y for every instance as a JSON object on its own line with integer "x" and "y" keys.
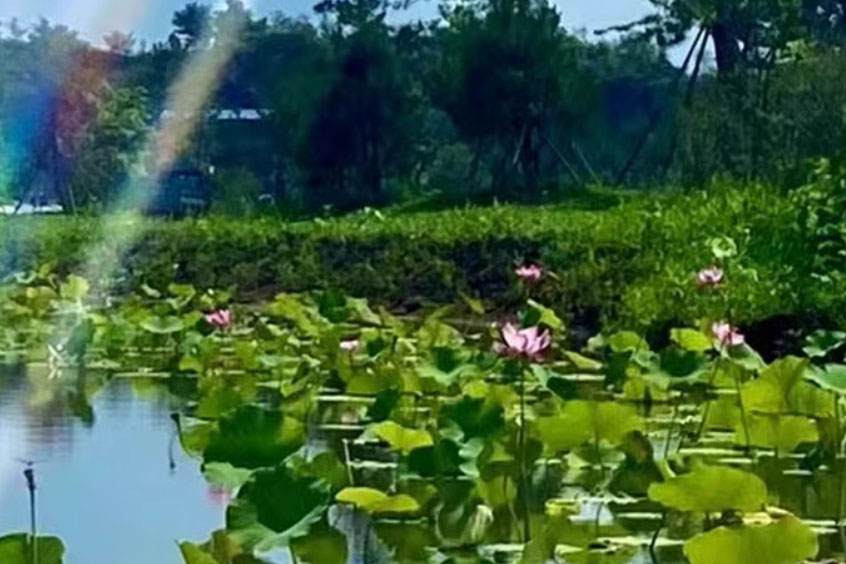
{"x": 150, "y": 19}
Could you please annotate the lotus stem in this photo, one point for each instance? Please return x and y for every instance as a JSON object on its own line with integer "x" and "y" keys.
{"x": 707, "y": 408}
{"x": 350, "y": 476}
{"x": 743, "y": 414}
{"x": 670, "y": 429}
{"x": 652, "y": 554}
{"x": 524, "y": 482}
{"x": 29, "y": 474}
{"x": 838, "y": 456}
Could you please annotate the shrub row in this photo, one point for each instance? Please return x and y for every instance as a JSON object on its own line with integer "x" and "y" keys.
{"x": 629, "y": 265}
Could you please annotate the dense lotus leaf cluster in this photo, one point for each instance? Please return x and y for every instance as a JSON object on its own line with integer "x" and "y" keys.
{"x": 342, "y": 431}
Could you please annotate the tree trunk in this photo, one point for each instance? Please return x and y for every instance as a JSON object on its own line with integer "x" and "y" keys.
{"x": 726, "y": 47}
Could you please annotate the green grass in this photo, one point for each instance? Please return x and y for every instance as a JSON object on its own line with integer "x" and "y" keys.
{"x": 631, "y": 264}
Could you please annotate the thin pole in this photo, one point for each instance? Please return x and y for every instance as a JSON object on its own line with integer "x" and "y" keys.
{"x": 29, "y": 474}
{"x": 585, "y": 162}
{"x": 562, "y": 158}
{"x": 656, "y": 115}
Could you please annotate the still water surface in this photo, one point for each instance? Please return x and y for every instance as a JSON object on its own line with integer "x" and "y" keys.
{"x": 111, "y": 482}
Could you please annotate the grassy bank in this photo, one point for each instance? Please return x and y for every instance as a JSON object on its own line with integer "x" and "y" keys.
{"x": 631, "y": 264}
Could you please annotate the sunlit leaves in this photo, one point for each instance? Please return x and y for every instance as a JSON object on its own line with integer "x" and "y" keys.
{"x": 375, "y": 501}
{"x": 832, "y": 377}
{"x": 711, "y": 489}
{"x": 162, "y": 325}
{"x": 193, "y": 554}
{"x": 304, "y": 318}
{"x": 782, "y": 388}
{"x": 220, "y": 549}
{"x": 226, "y": 475}
{"x": 787, "y": 541}
{"x": 18, "y": 549}
{"x": 539, "y": 314}
{"x": 402, "y": 438}
{"x": 722, "y": 247}
{"x": 781, "y": 432}
{"x": 627, "y": 341}
{"x": 820, "y": 343}
{"x": 692, "y": 340}
{"x": 583, "y": 422}
{"x": 74, "y": 288}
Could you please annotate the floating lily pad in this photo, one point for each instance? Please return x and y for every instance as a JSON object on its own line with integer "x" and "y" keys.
{"x": 253, "y": 437}
{"x": 402, "y": 438}
{"x": 711, "y": 489}
{"x": 786, "y": 541}
{"x": 374, "y": 501}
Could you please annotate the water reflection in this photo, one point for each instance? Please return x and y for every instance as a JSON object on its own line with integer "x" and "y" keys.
{"x": 109, "y": 485}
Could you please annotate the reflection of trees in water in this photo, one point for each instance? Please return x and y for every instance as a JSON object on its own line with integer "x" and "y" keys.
{"x": 45, "y": 406}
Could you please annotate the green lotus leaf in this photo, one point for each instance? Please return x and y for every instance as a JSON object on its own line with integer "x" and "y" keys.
{"x": 305, "y": 318}
{"x": 820, "y": 343}
{"x": 627, "y": 341}
{"x": 787, "y": 541}
{"x": 583, "y": 422}
{"x": 374, "y": 501}
{"x": 582, "y": 362}
{"x": 252, "y": 437}
{"x": 410, "y": 543}
{"x": 692, "y": 340}
{"x": 17, "y": 549}
{"x": 783, "y": 388}
{"x": 781, "y": 432}
{"x": 543, "y": 315}
{"x": 194, "y": 554}
{"x": 322, "y": 545}
{"x": 832, "y": 378}
{"x": 224, "y": 474}
{"x": 475, "y": 417}
{"x": 162, "y": 325}
{"x": 402, "y": 438}
{"x": 711, "y": 489}
{"x": 275, "y": 506}
{"x": 221, "y": 549}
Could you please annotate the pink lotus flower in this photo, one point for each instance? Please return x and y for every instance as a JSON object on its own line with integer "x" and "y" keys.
{"x": 710, "y": 276}
{"x": 529, "y": 343}
{"x": 350, "y": 345}
{"x": 219, "y": 495}
{"x": 529, "y": 273}
{"x": 220, "y": 319}
{"x": 727, "y": 335}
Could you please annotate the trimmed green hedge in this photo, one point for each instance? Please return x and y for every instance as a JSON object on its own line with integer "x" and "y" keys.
{"x": 632, "y": 264}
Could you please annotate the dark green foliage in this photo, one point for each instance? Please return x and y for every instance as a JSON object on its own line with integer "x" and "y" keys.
{"x": 633, "y": 264}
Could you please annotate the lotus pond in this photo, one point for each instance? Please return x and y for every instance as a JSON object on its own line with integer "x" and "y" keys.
{"x": 179, "y": 425}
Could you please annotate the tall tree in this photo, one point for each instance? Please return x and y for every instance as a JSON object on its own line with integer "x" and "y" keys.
{"x": 502, "y": 76}
{"x": 357, "y": 125}
{"x": 191, "y": 25}
{"x": 745, "y": 33}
